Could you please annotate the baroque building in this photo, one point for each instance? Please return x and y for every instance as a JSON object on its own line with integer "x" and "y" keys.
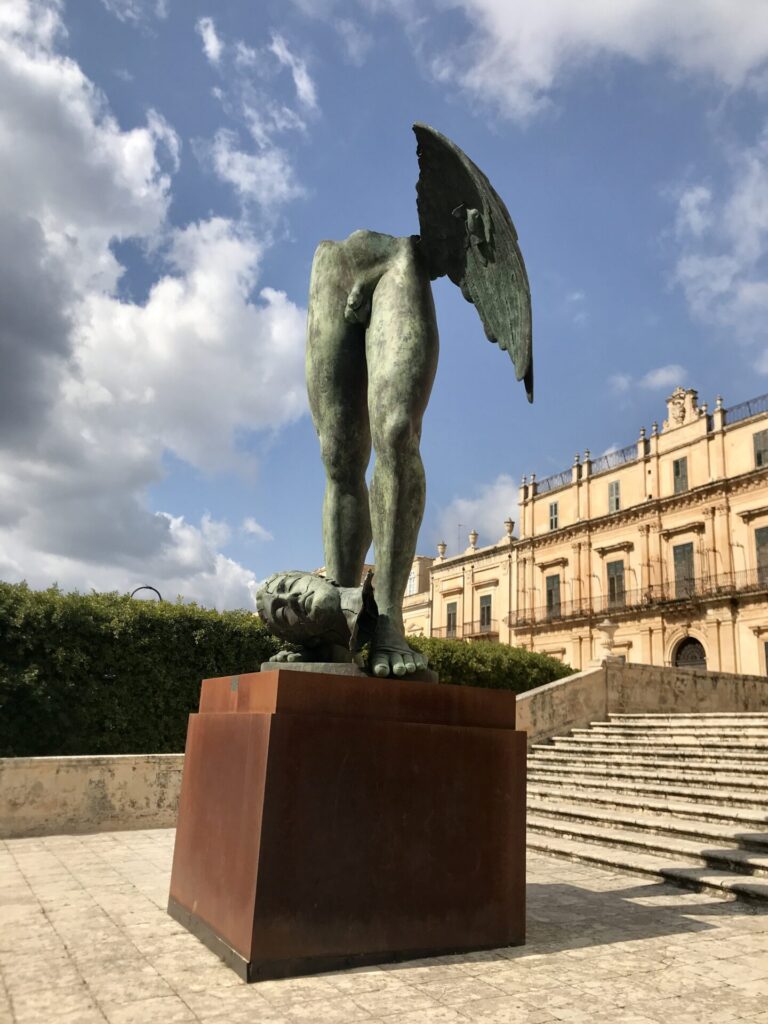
{"x": 666, "y": 538}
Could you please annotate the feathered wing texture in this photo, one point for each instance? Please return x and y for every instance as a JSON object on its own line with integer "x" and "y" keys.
{"x": 468, "y": 234}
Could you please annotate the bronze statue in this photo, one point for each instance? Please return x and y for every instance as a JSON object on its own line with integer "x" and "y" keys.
{"x": 372, "y": 351}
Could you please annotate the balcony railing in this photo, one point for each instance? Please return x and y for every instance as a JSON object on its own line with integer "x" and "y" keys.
{"x": 657, "y": 594}
{"x": 554, "y": 482}
{"x": 449, "y": 632}
{"x": 744, "y": 410}
{"x": 488, "y": 629}
{"x": 613, "y": 459}
{"x": 468, "y": 630}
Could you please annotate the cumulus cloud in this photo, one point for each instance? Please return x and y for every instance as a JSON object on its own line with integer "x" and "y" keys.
{"x": 254, "y": 529}
{"x": 212, "y": 45}
{"x": 723, "y": 245}
{"x": 517, "y": 53}
{"x": 357, "y": 42}
{"x": 254, "y": 161}
{"x": 137, "y": 11}
{"x": 96, "y": 390}
{"x": 485, "y": 512}
{"x": 305, "y": 87}
{"x": 657, "y": 379}
{"x": 265, "y": 177}
{"x": 669, "y": 376}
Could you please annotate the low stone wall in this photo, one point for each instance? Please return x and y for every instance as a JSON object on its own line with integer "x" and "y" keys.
{"x": 50, "y": 795}
{"x": 55, "y": 795}
{"x": 574, "y": 702}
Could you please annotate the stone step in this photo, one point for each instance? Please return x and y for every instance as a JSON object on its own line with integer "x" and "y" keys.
{"x": 689, "y": 762}
{"x": 733, "y": 752}
{"x": 673, "y": 774}
{"x": 690, "y": 875}
{"x": 703, "y": 717}
{"x": 723, "y": 834}
{"x": 737, "y": 816}
{"x": 696, "y": 732}
{"x": 727, "y": 858}
{"x": 754, "y": 797}
{"x": 669, "y": 740}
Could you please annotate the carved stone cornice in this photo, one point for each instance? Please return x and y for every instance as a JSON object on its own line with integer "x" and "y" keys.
{"x": 624, "y": 545}
{"x": 753, "y": 513}
{"x": 686, "y": 528}
{"x": 552, "y": 563}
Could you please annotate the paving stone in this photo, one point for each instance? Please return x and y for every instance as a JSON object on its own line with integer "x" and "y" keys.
{"x": 603, "y": 946}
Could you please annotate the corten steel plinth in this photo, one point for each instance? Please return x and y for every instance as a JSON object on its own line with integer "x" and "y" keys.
{"x": 330, "y": 821}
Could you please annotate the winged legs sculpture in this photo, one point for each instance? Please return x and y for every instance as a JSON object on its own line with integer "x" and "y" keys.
{"x": 372, "y": 349}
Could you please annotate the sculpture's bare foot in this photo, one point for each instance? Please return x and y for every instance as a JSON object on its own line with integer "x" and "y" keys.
{"x": 390, "y": 653}
{"x": 291, "y": 656}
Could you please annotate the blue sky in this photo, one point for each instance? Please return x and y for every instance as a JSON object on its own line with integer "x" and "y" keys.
{"x": 169, "y": 168}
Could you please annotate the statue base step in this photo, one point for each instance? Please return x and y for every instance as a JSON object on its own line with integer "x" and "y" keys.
{"x": 330, "y": 821}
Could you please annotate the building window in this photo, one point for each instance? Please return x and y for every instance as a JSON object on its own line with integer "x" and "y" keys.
{"x": 682, "y": 556}
{"x": 761, "y": 546}
{"x": 616, "y": 592}
{"x": 450, "y": 619}
{"x": 680, "y": 475}
{"x": 553, "y": 596}
{"x": 413, "y": 582}
{"x": 553, "y": 516}
{"x": 614, "y": 496}
{"x": 765, "y": 655}
{"x": 485, "y": 613}
{"x": 761, "y": 448}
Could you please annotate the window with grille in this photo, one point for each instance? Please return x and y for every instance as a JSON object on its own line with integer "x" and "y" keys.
{"x": 616, "y": 591}
{"x": 413, "y": 582}
{"x": 485, "y": 612}
{"x": 553, "y": 596}
{"x": 761, "y": 546}
{"x": 450, "y": 619}
{"x": 614, "y": 496}
{"x": 553, "y": 515}
{"x": 682, "y": 556}
{"x": 760, "y": 440}
{"x": 680, "y": 475}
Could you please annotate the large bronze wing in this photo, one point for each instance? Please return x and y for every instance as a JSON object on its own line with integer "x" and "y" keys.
{"x": 467, "y": 233}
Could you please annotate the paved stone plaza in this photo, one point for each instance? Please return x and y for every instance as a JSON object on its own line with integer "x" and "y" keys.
{"x": 84, "y": 938}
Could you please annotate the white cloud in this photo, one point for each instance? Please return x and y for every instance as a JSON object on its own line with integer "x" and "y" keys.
{"x": 212, "y": 45}
{"x": 96, "y": 390}
{"x": 657, "y": 379}
{"x": 265, "y": 177}
{"x": 305, "y": 87}
{"x": 486, "y": 512}
{"x": 357, "y": 42}
{"x": 137, "y": 11}
{"x": 620, "y": 383}
{"x": 254, "y": 529}
{"x": 517, "y": 54}
{"x": 723, "y": 244}
{"x": 669, "y": 376}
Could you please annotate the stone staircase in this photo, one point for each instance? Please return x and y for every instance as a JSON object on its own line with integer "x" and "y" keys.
{"x": 681, "y": 797}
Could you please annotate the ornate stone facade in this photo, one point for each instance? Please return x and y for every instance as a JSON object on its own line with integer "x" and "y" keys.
{"x": 667, "y": 537}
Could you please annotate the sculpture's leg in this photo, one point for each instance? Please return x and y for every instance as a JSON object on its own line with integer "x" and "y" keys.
{"x": 336, "y": 382}
{"x": 401, "y": 349}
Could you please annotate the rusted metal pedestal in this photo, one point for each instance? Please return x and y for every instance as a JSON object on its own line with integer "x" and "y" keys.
{"x": 329, "y": 821}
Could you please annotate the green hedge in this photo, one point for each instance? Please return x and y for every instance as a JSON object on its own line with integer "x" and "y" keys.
{"x": 483, "y": 663}
{"x": 102, "y": 674}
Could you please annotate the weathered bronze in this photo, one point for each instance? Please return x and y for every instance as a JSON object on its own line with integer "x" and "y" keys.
{"x": 372, "y": 350}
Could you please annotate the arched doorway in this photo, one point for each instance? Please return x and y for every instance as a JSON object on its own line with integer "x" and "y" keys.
{"x": 690, "y": 653}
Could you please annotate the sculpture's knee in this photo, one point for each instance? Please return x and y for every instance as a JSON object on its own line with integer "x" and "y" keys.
{"x": 344, "y": 461}
{"x": 395, "y": 437}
